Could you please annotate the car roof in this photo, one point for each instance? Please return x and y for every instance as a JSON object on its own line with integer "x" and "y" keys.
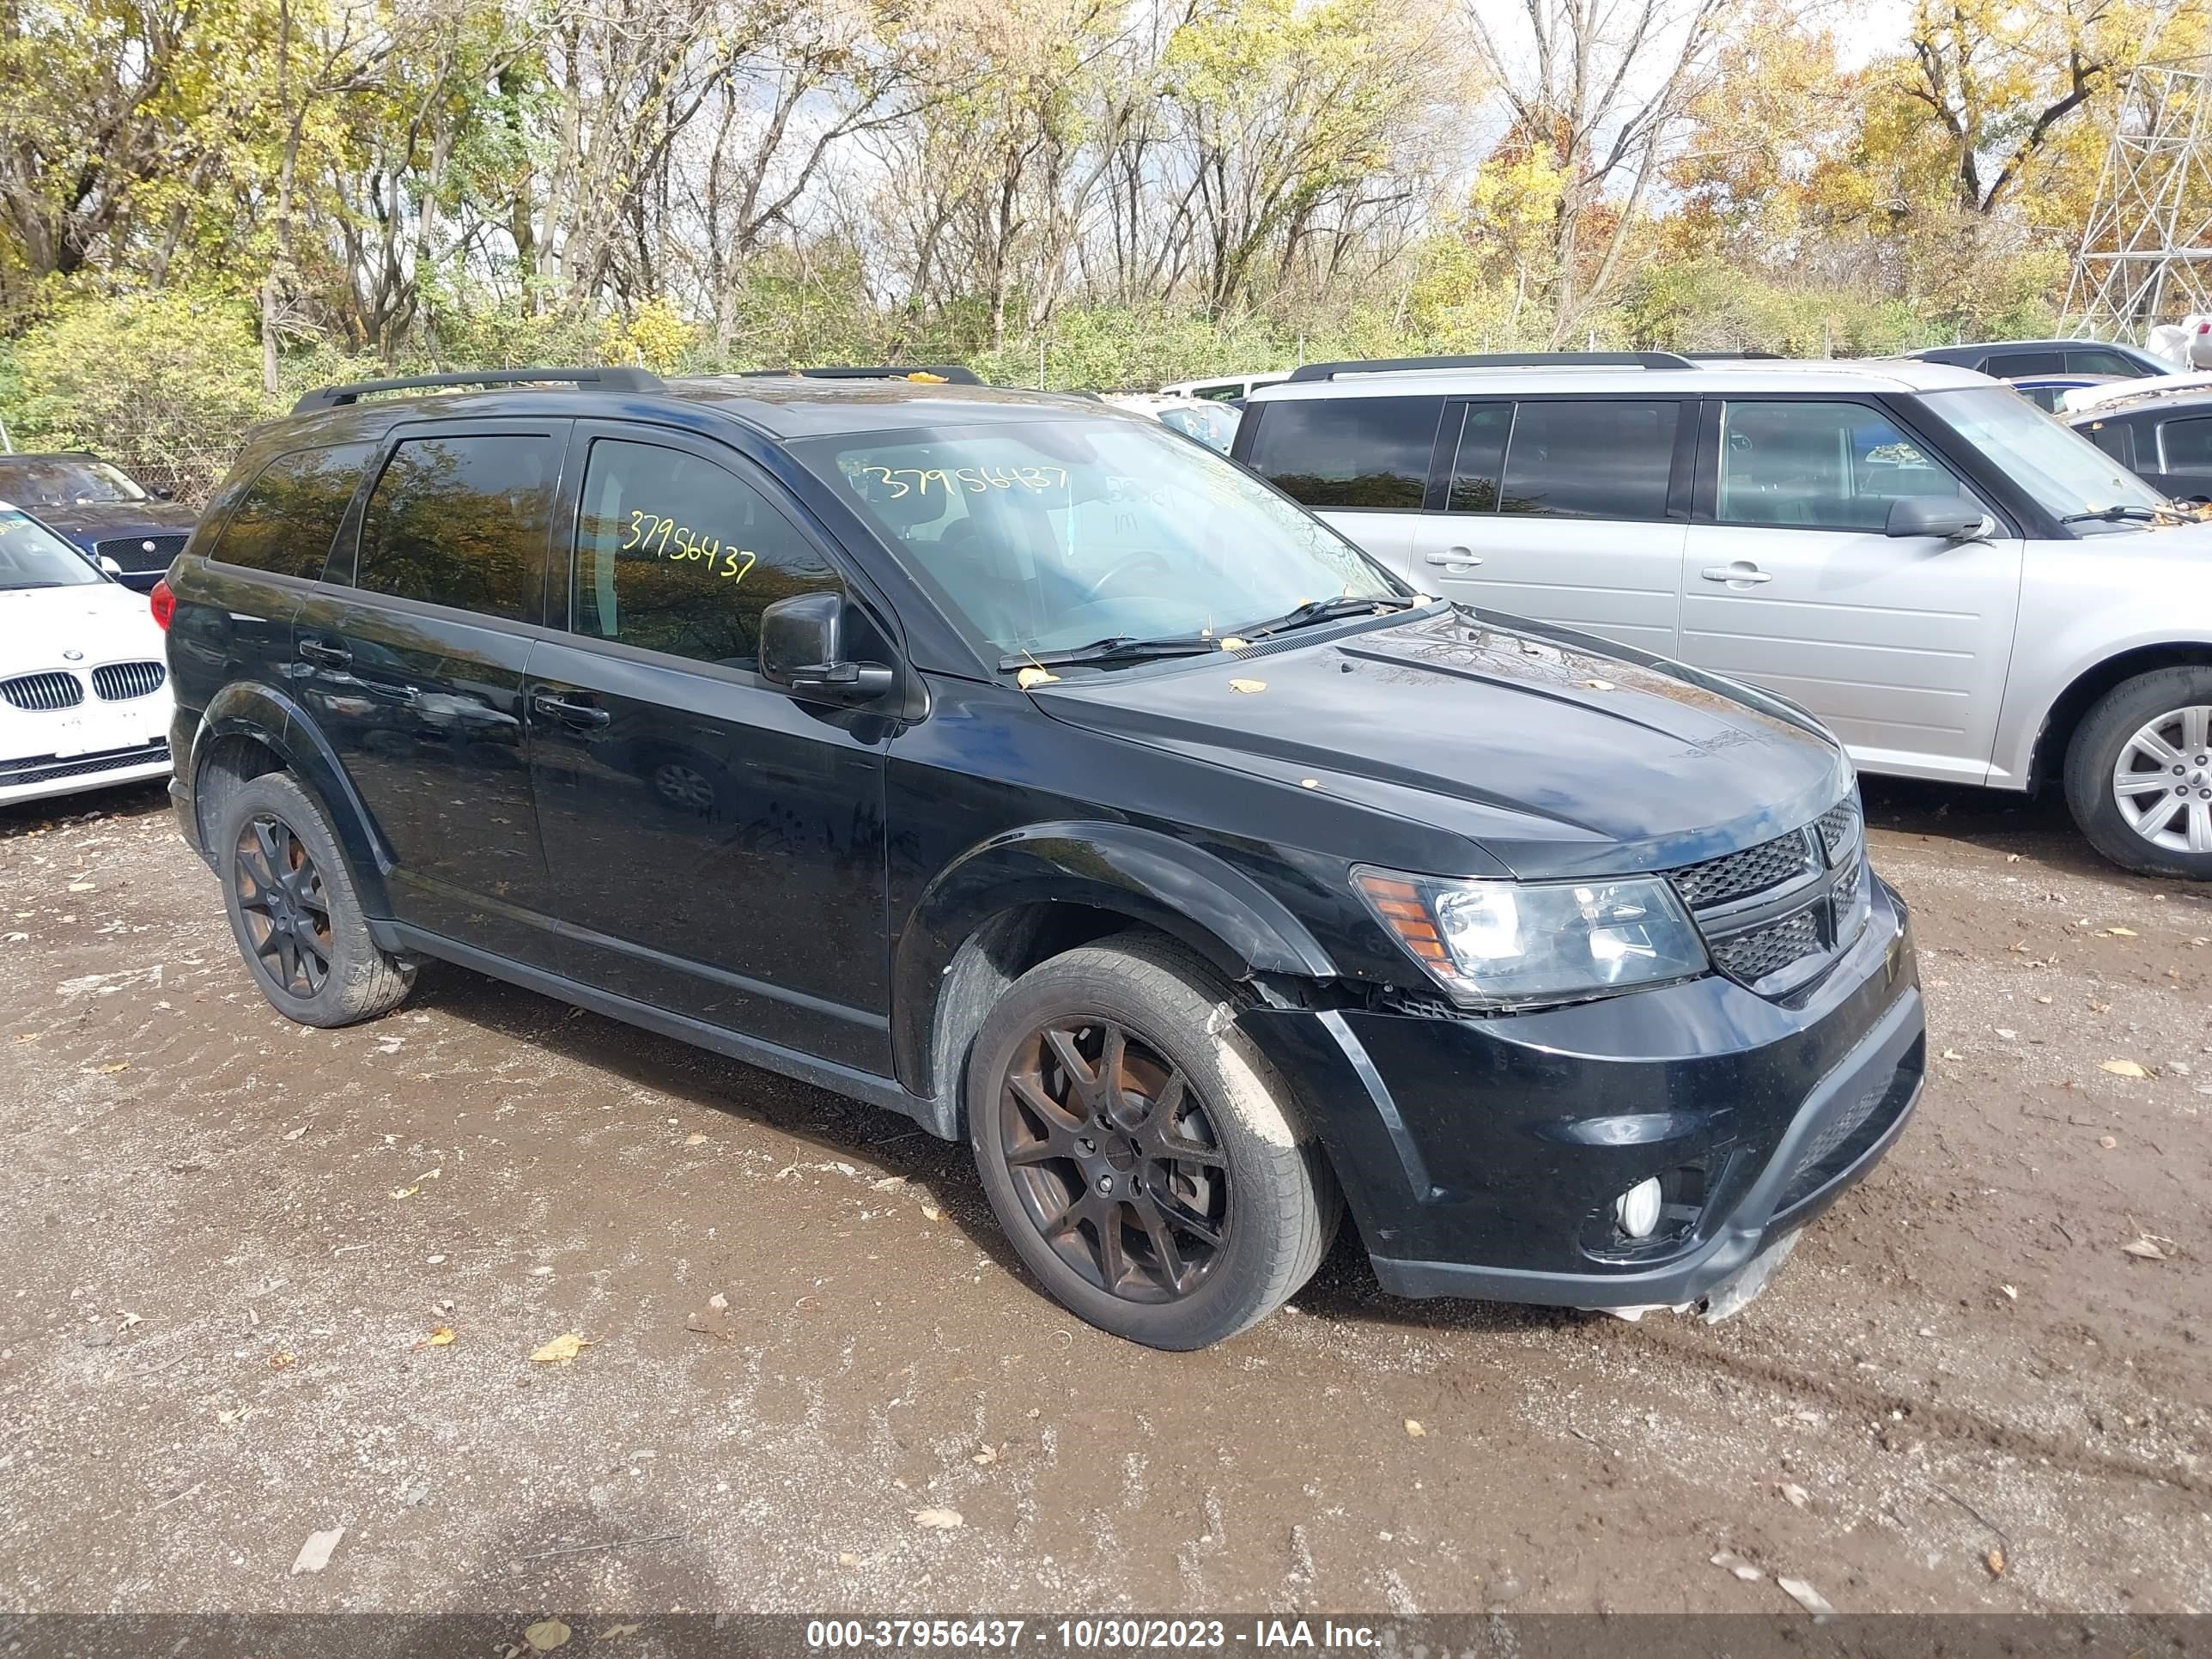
{"x": 783, "y": 407}
{"x": 1724, "y": 376}
{"x": 2029, "y": 346}
{"x": 2184, "y": 398}
{"x": 48, "y": 455}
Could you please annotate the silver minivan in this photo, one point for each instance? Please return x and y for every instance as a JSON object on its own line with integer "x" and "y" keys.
{"x": 1960, "y": 586}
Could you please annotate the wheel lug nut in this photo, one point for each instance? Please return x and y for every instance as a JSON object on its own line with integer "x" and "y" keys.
{"x": 1105, "y": 1184}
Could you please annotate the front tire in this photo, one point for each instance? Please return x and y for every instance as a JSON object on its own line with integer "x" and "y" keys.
{"x": 293, "y": 910}
{"x": 1149, "y": 1165}
{"x": 2139, "y": 774}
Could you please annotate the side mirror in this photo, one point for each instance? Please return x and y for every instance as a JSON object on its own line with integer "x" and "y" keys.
{"x": 1950, "y": 518}
{"x": 802, "y": 649}
{"x": 165, "y": 494}
{"x": 110, "y": 566}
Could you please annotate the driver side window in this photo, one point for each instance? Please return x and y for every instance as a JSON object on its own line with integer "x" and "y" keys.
{"x": 1820, "y": 467}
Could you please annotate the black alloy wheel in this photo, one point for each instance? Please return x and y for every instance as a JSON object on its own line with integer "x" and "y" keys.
{"x": 1114, "y": 1159}
{"x": 286, "y": 909}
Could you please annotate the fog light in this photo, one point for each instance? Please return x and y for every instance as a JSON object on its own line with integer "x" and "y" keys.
{"x": 1636, "y": 1210}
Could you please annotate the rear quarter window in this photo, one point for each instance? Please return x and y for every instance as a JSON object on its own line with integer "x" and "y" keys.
{"x": 286, "y": 519}
{"x": 1357, "y": 453}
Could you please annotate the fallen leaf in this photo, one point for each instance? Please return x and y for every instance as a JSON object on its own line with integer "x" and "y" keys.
{"x": 114, "y": 1067}
{"x": 1953, "y": 1054}
{"x": 2107, "y": 1142}
{"x": 2011, "y": 1292}
{"x": 888, "y": 1183}
{"x": 560, "y": 1350}
{"x": 406, "y": 1192}
{"x": 294, "y": 1134}
{"x": 931, "y": 1212}
{"x": 546, "y": 1635}
{"x": 942, "y": 1520}
{"x": 1232, "y": 644}
{"x": 1248, "y": 687}
{"x": 2124, "y": 1068}
{"x": 2009, "y": 1036}
{"x": 440, "y": 1336}
{"x": 281, "y": 1361}
{"x": 1736, "y": 1565}
{"x": 315, "y": 1554}
{"x": 614, "y": 1632}
{"x": 1030, "y": 677}
{"x": 1994, "y": 1559}
{"x": 695, "y": 1140}
{"x": 1798, "y": 1496}
{"x": 1309, "y": 783}
{"x": 1806, "y": 1596}
{"x": 1598, "y": 685}
{"x": 2146, "y": 1249}
{"x": 2124, "y": 933}
{"x": 718, "y": 1302}
{"x": 1414, "y": 1431}
{"x": 986, "y": 1457}
{"x": 83, "y": 887}
{"x": 846, "y": 1558}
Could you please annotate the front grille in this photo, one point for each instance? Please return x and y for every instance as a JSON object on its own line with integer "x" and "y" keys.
{"x": 118, "y": 682}
{"x": 1738, "y": 875}
{"x": 140, "y": 552}
{"x": 1839, "y": 829}
{"x": 45, "y": 769}
{"x": 1753, "y": 956}
{"x": 40, "y": 694}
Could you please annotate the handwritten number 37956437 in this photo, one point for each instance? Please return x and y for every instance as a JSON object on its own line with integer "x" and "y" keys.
{"x": 667, "y": 539}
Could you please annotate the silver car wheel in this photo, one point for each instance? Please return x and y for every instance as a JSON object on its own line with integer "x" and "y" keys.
{"x": 682, "y": 786}
{"x": 2162, "y": 783}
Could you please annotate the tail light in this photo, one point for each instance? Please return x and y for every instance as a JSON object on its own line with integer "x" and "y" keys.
{"x": 165, "y": 604}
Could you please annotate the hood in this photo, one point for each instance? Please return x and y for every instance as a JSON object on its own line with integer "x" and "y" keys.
{"x": 95, "y": 521}
{"x": 39, "y": 626}
{"x": 1552, "y": 755}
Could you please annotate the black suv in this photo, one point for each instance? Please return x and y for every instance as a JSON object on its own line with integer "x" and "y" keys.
{"x": 1026, "y": 768}
{"x": 108, "y": 514}
{"x": 2165, "y": 438}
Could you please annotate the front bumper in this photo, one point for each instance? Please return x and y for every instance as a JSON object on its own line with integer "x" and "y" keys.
{"x": 1482, "y": 1156}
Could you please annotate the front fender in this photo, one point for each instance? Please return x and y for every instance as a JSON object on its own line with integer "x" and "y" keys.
{"x": 1184, "y": 891}
{"x": 256, "y": 710}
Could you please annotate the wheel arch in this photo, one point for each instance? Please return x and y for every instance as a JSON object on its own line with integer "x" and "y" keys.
{"x": 250, "y": 728}
{"x": 2048, "y": 759}
{"x": 1022, "y": 898}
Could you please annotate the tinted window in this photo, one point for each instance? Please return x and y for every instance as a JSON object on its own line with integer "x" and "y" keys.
{"x": 1348, "y": 451}
{"x": 462, "y": 521}
{"x": 2100, "y": 362}
{"x": 2186, "y": 443}
{"x": 1480, "y": 458}
{"x": 1820, "y": 467}
{"x": 286, "y": 516}
{"x": 674, "y": 554}
{"x": 1590, "y": 460}
{"x": 2111, "y": 437}
{"x": 2006, "y": 364}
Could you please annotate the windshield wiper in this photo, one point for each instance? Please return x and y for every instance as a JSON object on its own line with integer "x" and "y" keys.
{"x": 1322, "y": 610}
{"x": 1122, "y": 647}
{"x": 2121, "y": 514}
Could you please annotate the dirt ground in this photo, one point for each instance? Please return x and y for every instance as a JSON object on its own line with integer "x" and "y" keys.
{"x": 228, "y": 1245}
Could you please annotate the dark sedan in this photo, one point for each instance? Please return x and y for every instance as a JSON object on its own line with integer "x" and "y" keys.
{"x": 102, "y": 509}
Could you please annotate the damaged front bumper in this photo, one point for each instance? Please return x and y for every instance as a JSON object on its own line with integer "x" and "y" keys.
{"x": 1482, "y": 1158}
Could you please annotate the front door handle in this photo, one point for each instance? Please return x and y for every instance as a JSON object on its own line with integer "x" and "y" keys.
{"x": 1741, "y": 574}
{"x": 568, "y": 713}
{"x": 1455, "y": 558}
{"x": 325, "y": 654}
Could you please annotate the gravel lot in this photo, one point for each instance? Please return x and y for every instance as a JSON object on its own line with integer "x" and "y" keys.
{"x": 229, "y": 1243}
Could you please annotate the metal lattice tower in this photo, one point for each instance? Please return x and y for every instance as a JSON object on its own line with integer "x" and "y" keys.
{"x": 2147, "y": 255}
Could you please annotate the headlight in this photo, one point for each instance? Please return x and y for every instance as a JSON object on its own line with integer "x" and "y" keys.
{"x": 1493, "y": 944}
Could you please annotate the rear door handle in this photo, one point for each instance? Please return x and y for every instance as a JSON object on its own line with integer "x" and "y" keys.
{"x": 568, "y": 713}
{"x": 323, "y": 652}
{"x": 1741, "y": 574}
{"x": 1457, "y": 558}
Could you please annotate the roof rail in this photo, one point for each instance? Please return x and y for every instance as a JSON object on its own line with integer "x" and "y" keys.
{"x": 956, "y": 374}
{"x": 1734, "y": 357}
{"x": 1495, "y": 360}
{"x": 606, "y": 380}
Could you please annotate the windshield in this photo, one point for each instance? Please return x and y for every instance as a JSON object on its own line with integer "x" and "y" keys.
{"x": 65, "y": 480}
{"x": 2066, "y": 474}
{"x": 1051, "y": 535}
{"x": 31, "y": 556}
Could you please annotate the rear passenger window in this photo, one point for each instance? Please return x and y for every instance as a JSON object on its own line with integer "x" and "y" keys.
{"x": 677, "y": 555}
{"x": 1348, "y": 451}
{"x": 1578, "y": 460}
{"x": 463, "y": 521}
{"x": 1820, "y": 467}
{"x": 2186, "y": 443}
{"x": 1480, "y": 458}
{"x": 285, "y": 520}
{"x": 2010, "y": 365}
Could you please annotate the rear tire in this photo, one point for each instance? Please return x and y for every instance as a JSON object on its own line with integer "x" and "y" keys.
{"x": 2139, "y": 774}
{"x": 295, "y": 912}
{"x": 1173, "y": 1196}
